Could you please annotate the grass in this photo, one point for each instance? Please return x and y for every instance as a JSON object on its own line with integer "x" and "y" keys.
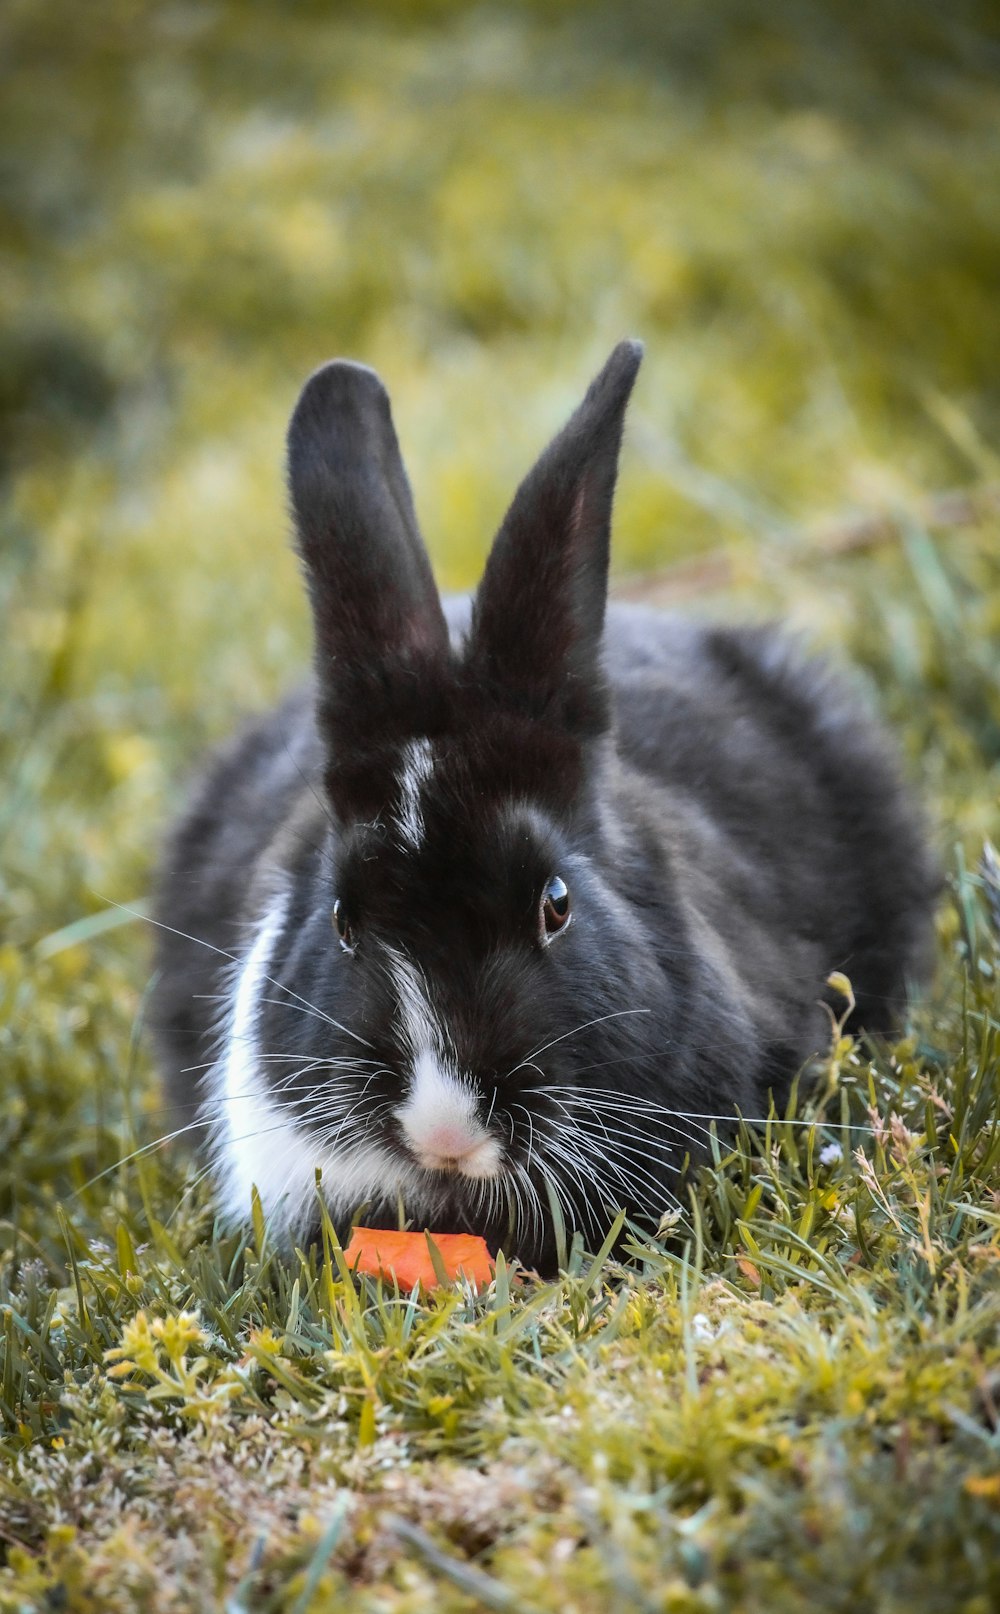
{"x": 791, "y": 1399}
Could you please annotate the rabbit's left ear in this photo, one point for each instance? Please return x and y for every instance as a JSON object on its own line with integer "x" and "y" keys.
{"x": 381, "y": 638}
{"x": 539, "y": 611}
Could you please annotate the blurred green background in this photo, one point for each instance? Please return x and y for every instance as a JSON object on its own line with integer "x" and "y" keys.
{"x": 796, "y": 207}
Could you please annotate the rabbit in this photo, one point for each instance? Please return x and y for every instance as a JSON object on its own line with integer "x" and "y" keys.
{"x": 482, "y": 926}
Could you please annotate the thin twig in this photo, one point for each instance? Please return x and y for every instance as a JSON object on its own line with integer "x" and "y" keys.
{"x": 719, "y": 568}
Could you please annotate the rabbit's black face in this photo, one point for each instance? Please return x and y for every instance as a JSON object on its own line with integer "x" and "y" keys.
{"x": 458, "y": 993}
{"x": 469, "y": 998}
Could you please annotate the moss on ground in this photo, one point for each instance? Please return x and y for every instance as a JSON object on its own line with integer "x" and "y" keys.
{"x": 790, "y": 1401}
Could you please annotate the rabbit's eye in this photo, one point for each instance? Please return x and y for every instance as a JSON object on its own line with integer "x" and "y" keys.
{"x": 555, "y": 908}
{"x": 342, "y": 925}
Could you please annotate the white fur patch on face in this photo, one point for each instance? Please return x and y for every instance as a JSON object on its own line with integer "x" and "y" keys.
{"x": 255, "y": 1140}
{"x": 440, "y": 1115}
{"x": 418, "y": 765}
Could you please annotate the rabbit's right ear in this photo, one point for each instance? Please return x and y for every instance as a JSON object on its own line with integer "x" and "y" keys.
{"x": 538, "y": 616}
{"x": 381, "y": 638}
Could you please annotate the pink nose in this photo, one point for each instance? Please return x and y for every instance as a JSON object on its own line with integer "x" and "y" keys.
{"x": 448, "y": 1141}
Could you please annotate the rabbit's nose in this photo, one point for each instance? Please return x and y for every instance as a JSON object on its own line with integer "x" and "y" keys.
{"x": 481, "y": 1160}
{"x": 449, "y": 1142}
{"x": 441, "y": 1124}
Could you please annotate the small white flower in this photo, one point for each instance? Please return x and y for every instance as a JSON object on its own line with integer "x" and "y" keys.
{"x": 830, "y": 1154}
{"x": 702, "y": 1331}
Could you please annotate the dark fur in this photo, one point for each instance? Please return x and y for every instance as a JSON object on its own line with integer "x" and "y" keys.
{"x": 732, "y": 827}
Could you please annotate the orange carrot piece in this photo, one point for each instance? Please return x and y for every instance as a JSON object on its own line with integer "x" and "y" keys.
{"x": 407, "y": 1257}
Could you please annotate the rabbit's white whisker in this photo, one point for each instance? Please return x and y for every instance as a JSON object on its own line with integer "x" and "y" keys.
{"x": 632, "y": 1176}
{"x": 191, "y": 1186}
{"x": 526, "y": 1204}
{"x": 626, "y": 1141}
{"x": 143, "y": 1149}
{"x": 334, "y": 1061}
{"x": 621, "y": 1170}
{"x": 508, "y": 1194}
{"x": 575, "y": 1169}
{"x": 618, "y": 1103}
{"x": 234, "y": 958}
{"x": 497, "y": 1190}
{"x": 526, "y": 1064}
{"x": 332, "y": 1079}
{"x": 306, "y": 1009}
{"x": 493, "y": 1100}
{"x": 514, "y": 1204}
{"x": 623, "y": 1121}
{"x": 531, "y": 1131}
{"x": 531, "y": 1202}
{"x": 616, "y": 1014}
{"x": 608, "y": 1144}
{"x": 343, "y": 1117}
{"x": 632, "y": 1058}
{"x": 588, "y": 1164}
{"x": 291, "y": 1077}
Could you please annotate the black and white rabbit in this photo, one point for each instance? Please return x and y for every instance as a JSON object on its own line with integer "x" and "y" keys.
{"x": 513, "y": 896}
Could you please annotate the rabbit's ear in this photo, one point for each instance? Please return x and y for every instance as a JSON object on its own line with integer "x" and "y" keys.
{"x": 539, "y": 611}
{"x": 380, "y": 631}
